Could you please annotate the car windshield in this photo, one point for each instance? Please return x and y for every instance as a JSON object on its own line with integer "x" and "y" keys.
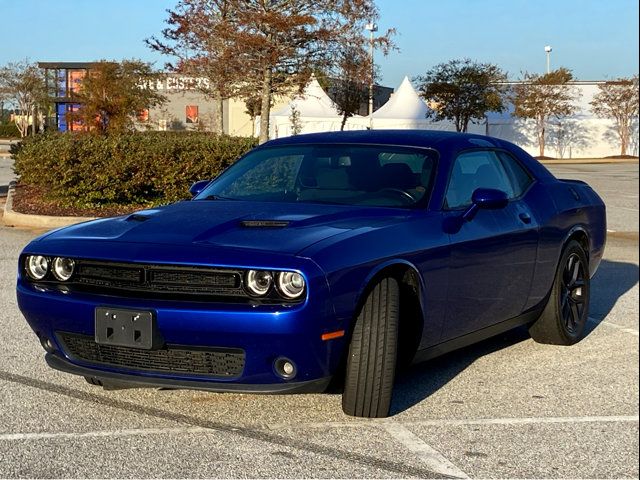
{"x": 373, "y": 175}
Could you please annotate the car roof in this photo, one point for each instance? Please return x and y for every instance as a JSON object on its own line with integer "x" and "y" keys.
{"x": 413, "y": 138}
{"x": 447, "y": 143}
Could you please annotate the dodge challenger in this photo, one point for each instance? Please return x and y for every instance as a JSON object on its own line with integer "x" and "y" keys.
{"x": 333, "y": 257}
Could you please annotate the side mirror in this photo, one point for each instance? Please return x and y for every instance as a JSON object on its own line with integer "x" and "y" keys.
{"x": 490, "y": 198}
{"x": 197, "y": 187}
{"x": 485, "y": 198}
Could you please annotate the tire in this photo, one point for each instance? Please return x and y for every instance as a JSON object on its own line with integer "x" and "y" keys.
{"x": 371, "y": 363}
{"x": 563, "y": 319}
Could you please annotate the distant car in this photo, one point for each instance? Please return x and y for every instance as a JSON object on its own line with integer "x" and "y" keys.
{"x": 320, "y": 257}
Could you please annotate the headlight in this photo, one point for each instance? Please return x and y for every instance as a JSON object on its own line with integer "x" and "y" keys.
{"x": 290, "y": 284}
{"x": 37, "y": 266}
{"x": 63, "y": 268}
{"x": 259, "y": 282}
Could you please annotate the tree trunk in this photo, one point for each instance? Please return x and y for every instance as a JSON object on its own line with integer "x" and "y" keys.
{"x": 344, "y": 122}
{"x": 623, "y": 133}
{"x": 217, "y": 117}
{"x": 541, "y": 132}
{"x": 266, "y": 105}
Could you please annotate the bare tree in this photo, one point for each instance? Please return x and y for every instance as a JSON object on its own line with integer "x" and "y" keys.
{"x": 24, "y": 87}
{"x": 618, "y": 101}
{"x": 463, "y": 90}
{"x": 544, "y": 97}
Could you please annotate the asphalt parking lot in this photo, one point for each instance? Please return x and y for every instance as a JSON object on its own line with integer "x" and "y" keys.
{"x": 507, "y": 407}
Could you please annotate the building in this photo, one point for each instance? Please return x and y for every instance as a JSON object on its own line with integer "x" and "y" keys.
{"x": 187, "y": 108}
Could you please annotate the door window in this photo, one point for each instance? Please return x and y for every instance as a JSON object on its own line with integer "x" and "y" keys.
{"x": 476, "y": 169}
{"x": 519, "y": 177}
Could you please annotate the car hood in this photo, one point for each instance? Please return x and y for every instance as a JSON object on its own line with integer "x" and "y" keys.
{"x": 274, "y": 227}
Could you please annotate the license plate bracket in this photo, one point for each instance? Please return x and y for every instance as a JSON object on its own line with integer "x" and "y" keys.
{"x": 127, "y": 328}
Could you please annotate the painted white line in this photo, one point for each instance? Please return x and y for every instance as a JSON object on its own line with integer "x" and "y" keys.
{"x": 102, "y": 433}
{"x": 631, "y": 331}
{"x": 427, "y": 455}
{"x": 443, "y": 422}
{"x": 527, "y": 421}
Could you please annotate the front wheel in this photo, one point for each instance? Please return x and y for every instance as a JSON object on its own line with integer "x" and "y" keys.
{"x": 564, "y": 318}
{"x": 371, "y": 363}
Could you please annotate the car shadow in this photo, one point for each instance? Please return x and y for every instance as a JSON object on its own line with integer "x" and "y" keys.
{"x": 612, "y": 280}
{"x": 420, "y": 381}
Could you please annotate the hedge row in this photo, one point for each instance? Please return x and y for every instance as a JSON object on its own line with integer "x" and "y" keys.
{"x": 143, "y": 168}
{"x": 9, "y": 130}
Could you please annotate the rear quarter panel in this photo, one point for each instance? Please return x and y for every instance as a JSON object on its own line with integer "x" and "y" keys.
{"x": 565, "y": 208}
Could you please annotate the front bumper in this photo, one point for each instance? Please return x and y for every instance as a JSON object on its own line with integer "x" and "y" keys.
{"x": 58, "y": 362}
{"x": 264, "y": 333}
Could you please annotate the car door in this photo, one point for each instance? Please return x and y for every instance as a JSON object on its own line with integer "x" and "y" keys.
{"x": 492, "y": 256}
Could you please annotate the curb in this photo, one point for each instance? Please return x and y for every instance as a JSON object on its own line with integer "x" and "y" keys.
{"x": 587, "y": 161}
{"x": 15, "y": 219}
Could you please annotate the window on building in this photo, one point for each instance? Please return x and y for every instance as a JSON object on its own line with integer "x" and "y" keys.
{"x": 192, "y": 114}
{"x": 143, "y": 115}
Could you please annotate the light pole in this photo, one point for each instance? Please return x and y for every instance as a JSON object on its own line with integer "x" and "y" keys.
{"x": 548, "y": 50}
{"x": 372, "y": 28}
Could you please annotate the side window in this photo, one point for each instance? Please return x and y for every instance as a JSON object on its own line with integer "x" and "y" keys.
{"x": 519, "y": 177}
{"x": 476, "y": 169}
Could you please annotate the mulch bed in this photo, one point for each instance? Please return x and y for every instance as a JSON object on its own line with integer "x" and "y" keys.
{"x": 32, "y": 200}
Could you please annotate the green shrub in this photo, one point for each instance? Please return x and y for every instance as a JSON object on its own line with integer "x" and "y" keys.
{"x": 9, "y": 130}
{"x": 149, "y": 168}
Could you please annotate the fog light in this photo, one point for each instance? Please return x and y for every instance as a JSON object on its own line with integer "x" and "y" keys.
{"x": 285, "y": 368}
{"x": 47, "y": 345}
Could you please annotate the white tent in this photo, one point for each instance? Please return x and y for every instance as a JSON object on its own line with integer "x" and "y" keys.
{"x": 404, "y": 110}
{"x": 316, "y": 113}
{"x": 404, "y": 105}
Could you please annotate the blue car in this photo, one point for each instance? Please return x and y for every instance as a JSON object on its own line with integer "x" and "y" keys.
{"x": 318, "y": 258}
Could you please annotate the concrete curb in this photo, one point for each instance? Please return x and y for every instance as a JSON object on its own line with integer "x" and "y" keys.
{"x": 584, "y": 161}
{"x": 15, "y": 219}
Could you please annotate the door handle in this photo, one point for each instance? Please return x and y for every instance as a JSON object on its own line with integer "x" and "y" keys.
{"x": 525, "y": 217}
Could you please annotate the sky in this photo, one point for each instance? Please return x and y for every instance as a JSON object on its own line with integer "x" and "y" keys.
{"x": 596, "y": 39}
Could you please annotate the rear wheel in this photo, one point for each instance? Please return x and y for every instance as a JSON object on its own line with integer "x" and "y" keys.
{"x": 563, "y": 320}
{"x": 371, "y": 362}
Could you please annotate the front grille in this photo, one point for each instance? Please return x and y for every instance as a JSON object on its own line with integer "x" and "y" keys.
{"x": 217, "y": 362}
{"x": 137, "y": 279}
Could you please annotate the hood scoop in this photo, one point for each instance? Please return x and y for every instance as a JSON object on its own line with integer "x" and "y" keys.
{"x": 136, "y": 217}
{"x": 265, "y": 223}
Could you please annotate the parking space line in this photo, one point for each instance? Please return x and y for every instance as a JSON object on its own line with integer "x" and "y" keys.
{"x": 428, "y": 455}
{"x": 631, "y": 331}
{"x": 397, "y": 428}
{"x": 443, "y": 422}
{"x": 103, "y": 433}
{"x": 528, "y": 420}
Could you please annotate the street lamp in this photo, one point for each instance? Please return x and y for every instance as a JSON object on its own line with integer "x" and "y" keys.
{"x": 548, "y": 49}
{"x": 372, "y": 28}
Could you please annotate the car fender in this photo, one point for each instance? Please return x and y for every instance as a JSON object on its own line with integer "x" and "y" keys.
{"x": 377, "y": 272}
